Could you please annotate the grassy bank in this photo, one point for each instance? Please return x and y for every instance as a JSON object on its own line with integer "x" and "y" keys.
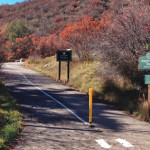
{"x": 115, "y": 90}
{"x": 10, "y": 118}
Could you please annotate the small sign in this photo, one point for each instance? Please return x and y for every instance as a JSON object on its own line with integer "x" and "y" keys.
{"x": 64, "y": 55}
{"x": 144, "y": 62}
{"x": 147, "y": 79}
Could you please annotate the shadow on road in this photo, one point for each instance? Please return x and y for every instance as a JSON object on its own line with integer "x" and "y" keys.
{"x": 35, "y": 104}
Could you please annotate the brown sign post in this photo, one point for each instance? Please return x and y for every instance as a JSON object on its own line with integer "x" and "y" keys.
{"x": 64, "y": 56}
{"x": 147, "y": 81}
{"x": 149, "y": 93}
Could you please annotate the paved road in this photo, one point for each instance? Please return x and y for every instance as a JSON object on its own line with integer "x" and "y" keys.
{"x": 56, "y": 117}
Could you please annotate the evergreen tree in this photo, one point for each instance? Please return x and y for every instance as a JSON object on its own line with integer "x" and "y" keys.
{"x": 16, "y": 29}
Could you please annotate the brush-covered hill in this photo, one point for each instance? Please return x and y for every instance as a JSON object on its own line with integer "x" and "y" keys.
{"x": 43, "y": 17}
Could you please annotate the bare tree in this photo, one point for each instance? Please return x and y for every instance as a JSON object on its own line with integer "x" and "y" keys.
{"x": 130, "y": 30}
{"x": 125, "y": 39}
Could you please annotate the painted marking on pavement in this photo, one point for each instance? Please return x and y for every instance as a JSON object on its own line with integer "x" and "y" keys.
{"x": 103, "y": 144}
{"x": 79, "y": 118}
{"x": 124, "y": 143}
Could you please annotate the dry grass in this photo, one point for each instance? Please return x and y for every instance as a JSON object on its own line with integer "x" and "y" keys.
{"x": 144, "y": 110}
{"x": 82, "y": 75}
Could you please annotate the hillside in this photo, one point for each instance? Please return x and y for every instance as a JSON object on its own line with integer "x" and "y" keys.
{"x": 43, "y": 17}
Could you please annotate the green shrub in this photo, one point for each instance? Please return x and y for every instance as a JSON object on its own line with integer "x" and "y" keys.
{"x": 10, "y": 118}
{"x": 16, "y": 29}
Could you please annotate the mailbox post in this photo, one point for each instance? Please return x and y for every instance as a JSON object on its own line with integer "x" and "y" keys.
{"x": 64, "y": 56}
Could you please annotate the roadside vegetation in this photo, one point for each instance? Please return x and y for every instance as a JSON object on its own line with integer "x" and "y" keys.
{"x": 117, "y": 91}
{"x": 10, "y": 118}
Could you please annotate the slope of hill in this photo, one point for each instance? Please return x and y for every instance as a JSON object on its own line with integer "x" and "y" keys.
{"x": 46, "y": 16}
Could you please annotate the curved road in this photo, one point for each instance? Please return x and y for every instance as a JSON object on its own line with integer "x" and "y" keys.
{"x": 56, "y": 117}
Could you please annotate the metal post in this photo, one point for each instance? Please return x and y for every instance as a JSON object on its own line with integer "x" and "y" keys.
{"x": 87, "y": 57}
{"x": 59, "y": 74}
{"x": 149, "y": 93}
{"x": 68, "y": 70}
{"x": 90, "y": 105}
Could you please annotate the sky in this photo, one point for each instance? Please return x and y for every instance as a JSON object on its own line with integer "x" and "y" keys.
{"x": 10, "y": 1}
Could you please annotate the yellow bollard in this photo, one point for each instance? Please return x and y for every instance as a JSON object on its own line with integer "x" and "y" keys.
{"x": 90, "y": 104}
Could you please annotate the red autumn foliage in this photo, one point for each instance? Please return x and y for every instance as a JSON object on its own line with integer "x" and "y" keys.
{"x": 79, "y": 35}
{"x": 47, "y": 14}
{"x": 67, "y": 29}
{"x": 76, "y": 36}
{"x": 31, "y": 45}
{"x": 3, "y": 40}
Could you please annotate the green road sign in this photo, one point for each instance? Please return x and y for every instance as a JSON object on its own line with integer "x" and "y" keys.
{"x": 144, "y": 62}
{"x": 147, "y": 79}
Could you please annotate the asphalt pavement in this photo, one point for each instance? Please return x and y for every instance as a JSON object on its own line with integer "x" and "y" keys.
{"x": 56, "y": 116}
